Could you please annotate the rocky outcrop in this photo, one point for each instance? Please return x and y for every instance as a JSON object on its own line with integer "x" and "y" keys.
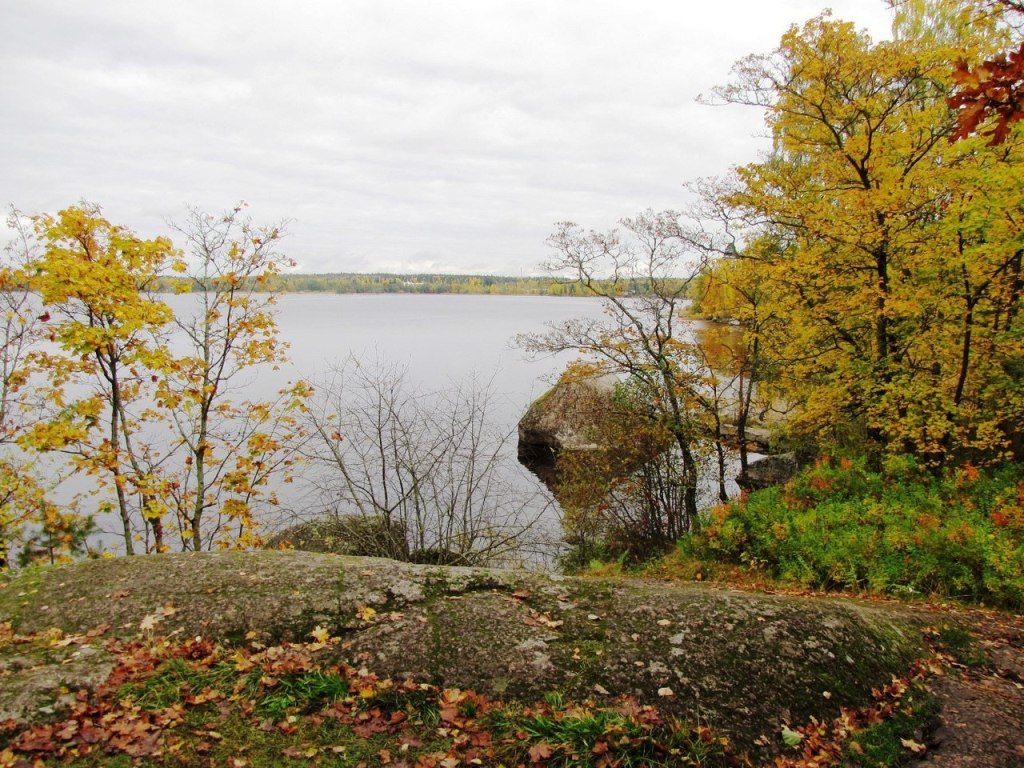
{"x": 560, "y": 419}
{"x": 741, "y": 663}
{"x": 41, "y": 678}
{"x": 768, "y": 471}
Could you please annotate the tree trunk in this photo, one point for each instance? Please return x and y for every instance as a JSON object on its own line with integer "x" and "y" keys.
{"x": 1016, "y": 288}
{"x": 965, "y": 353}
{"x": 115, "y": 443}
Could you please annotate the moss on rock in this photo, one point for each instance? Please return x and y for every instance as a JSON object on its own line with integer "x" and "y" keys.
{"x": 742, "y": 663}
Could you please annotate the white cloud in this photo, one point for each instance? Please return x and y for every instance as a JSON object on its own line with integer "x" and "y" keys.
{"x": 395, "y": 134}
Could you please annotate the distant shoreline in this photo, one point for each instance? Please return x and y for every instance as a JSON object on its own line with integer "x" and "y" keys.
{"x": 420, "y": 284}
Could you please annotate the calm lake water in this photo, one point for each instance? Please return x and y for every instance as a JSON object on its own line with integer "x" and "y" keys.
{"x": 439, "y": 339}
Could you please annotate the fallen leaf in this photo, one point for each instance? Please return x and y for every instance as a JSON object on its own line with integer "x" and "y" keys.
{"x": 540, "y": 752}
{"x": 790, "y": 737}
{"x": 366, "y": 613}
{"x": 320, "y": 634}
{"x": 913, "y": 746}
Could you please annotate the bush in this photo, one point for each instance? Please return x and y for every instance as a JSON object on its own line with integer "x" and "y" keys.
{"x": 368, "y": 536}
{"x": 841, "y": 525}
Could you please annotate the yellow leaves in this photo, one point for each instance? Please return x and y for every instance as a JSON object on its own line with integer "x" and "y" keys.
{"x": 366, "y": 613}
{"x": 105, "y": 326}
{"x": 913, "y": 746}
{"x": 150, "y": 621}
{"x": 321, "y": 634}
{"x": 896, "y": 242}
{"x": 242, "y": 662}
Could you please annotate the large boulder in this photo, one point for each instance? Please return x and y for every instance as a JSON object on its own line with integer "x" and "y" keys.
{"x": 741, "y": 663}
{"x": 768, "y": 471}
{"x": 560, "y": 419}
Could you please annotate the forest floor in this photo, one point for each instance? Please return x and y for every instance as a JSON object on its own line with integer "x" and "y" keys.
{"x": 982, "y": 715}
{"x": 144, "y": 689}
{"x": 980, "y": 695}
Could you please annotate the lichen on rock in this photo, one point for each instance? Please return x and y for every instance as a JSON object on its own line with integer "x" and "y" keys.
{"x": 742, "y": 663}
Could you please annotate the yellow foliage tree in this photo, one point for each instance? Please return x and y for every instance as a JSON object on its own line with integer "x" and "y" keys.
{"x": 94, "y": 279}
{"x": 231, "y": 448}
{"x": 897, "y": 270}
{"x": 29, "y": 521}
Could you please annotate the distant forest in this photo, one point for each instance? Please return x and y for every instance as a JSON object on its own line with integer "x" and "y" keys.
{"x": 347, "y": 282}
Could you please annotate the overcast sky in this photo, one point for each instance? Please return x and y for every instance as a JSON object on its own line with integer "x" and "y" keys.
{"x": 396, "y": 135}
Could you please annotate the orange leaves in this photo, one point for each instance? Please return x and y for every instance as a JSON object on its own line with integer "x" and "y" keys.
{"x": 822, "y": 743}
{"x": 537, "y": 619}
{"x": 207, "y": 697}
{"x": 990, "y": 92}
{"x": 540, "y": 752}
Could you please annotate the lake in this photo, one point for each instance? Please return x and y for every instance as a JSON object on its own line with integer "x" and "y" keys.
{"x": 439, "y": 339}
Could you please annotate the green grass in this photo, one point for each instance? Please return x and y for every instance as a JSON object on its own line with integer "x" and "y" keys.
{"x": 174, "y": 679}
{"x": 329, "y": 744}
{"x": 304, "y": 693}
{"x": 586, "y": 737}
{"x": 902, "y": 531}
{"x": 884, "y": 745}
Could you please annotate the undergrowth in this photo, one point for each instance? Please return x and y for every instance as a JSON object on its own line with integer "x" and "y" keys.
{"x": 896, "y": 741}
{"x": 197, "y": 703}
{"x": 841, "y": 525}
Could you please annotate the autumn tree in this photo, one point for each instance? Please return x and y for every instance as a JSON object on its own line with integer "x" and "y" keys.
{"x": 28, "y": 517}
{"x": 895, "y": 252}
{"x": 744, "y": 351}
{"x": 741, "y": 352}
{"x": 623, "y": 496}
{"x": 989, "y": 97}
{"x": 643, "y": 335}
{"x": 231, "y": 448}
{"x": 93, "y": 279}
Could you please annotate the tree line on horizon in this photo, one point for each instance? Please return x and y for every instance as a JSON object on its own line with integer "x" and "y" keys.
{"x": 421, "y": 283}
